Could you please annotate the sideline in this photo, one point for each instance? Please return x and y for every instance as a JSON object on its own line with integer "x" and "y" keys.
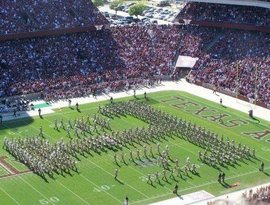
{"x": 181, "y": 85}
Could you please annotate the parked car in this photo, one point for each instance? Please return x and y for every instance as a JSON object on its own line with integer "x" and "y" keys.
{"x": 120, "y": 8}
{"x": 130, "y": 19}
{"x": 156, "y": 16}
{"x": 171, "y": 19}
{"x": 162, "y": 17}
{"x": 106, "y": 14}
{"x": 130, "y": 4}
{"x": 145, "y": 19}
{"x": 136, "y": 20}
{"x": 153, "y": 21}
{"x": 113, "y": 16}
{"x": 125, "y": 9}
{"x": 163, "y": 3}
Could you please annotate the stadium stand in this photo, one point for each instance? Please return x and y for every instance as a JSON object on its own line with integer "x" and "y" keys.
{"x": 148, "y": 50}
{"x": 237, "y": 14}
{"x": 31, "y": 16}
{"x": 55, "y": 62}
{"x": 236, "y": 61}
{"x": 259, "y": 196}
{"x": 83, "y": 63}
{"x": 71, "y": 63}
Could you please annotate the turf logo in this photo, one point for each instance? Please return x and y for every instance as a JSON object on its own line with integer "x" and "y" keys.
{"x": 9, "y": 168}
{"x": 213, "y": 115}
{"x": 258, "y": 134}
{"x": 146, "y": 162}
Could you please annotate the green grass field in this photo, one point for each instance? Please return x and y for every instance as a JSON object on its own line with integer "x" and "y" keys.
{"x": 95, "y": 183}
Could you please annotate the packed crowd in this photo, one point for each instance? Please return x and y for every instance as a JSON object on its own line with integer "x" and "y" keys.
{"x": 30, "y": 16}
{"x": 19, "y": 104}
{"x": 226, "y": 13}
{"x": 82, "y": 63}
{"x": 236, "y": 61}
{"x": 58, "y": 62}
{"x": 259, "y": 196}
{"x": 150, "y": 49}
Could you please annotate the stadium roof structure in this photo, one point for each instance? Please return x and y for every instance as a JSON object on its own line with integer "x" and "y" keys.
{"x": 257, "y": 3}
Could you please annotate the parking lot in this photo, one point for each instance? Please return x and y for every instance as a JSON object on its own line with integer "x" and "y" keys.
{"x": 152, "y": 14}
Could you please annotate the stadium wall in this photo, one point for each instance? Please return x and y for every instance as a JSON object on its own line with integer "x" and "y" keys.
{"x": 230, "y": 93}
{"x": 228, "y": 25}
{"x": 256, "y": 3}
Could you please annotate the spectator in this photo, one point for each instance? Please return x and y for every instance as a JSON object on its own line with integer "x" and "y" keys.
{"x": 226, "y": 13}
{"x": 35, "y": 15}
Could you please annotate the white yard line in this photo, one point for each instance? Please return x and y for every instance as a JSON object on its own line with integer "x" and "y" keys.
{"x": 56, "y": 181}
{"x": 101, "y": 167}
{"x": 194, "y": 186}
{"x": 79, "y": 174}
{"x": 141, "y": 173}
{"x": 20, "y": 174}
{"x": 6, "y": 168}
{"x": 113, "y": 176}
{"x": 34, "y": 187}
{"x": 72, "y": 192}
{"x": 202, "y": 185}
{"x": 181, "y": 190}
{"x": 13, "y": 199}
{"x": 36, "y": 190}
{"x": 181, "y": 147}
{"x": 178, "y": 86}
{"x": 103, "y": 190}
{"x": 172, "y": 144}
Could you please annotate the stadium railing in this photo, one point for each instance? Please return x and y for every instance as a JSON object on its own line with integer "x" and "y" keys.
{"x": 227, "y": 25}
{"x": 232, "y": 94}
{"x": 47, "y": 33}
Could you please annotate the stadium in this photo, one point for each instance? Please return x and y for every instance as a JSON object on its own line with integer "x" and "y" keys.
{"x": 169, "y": 107}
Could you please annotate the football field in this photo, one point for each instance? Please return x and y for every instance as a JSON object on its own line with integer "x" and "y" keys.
{"x": 95, "y": 184}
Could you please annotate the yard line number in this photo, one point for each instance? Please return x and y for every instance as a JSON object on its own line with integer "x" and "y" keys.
{"x": 50, "y": 200}
{"x": 103, "y": 188}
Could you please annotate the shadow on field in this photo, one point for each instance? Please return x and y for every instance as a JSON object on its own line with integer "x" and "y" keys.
{"x": 180, "y": 197}
{"x": 147, "y": 100}
{"x": 13, "y": 125}
{"x": 151, "y": 101}
{"x": 225, "y": 185}
{"x": 119, "y": 181}
{"x": 267, "y": 174}
{"x": 254, "y": 120}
